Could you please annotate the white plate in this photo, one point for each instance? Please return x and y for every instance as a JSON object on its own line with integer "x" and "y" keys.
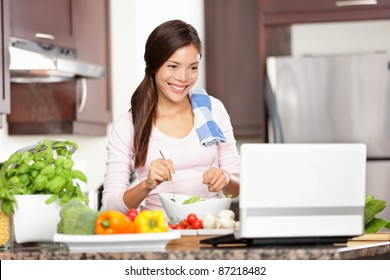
{"x": 188, "y": 231}
{"x": 136, "y": 242}
{"x": 205, "y": 231}
{"x": 214, "y": 231}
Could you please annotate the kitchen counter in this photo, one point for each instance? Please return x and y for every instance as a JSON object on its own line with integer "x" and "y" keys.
{"x": 189, "y": 248}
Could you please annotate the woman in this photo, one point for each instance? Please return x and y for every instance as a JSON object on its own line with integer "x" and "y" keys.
{"x": 160, "y": 137}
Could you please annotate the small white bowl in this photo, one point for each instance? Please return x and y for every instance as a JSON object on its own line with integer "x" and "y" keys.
{"x": 177, "y": 211}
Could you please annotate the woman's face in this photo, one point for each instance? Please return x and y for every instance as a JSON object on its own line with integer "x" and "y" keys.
{"x": 177, "y": 76}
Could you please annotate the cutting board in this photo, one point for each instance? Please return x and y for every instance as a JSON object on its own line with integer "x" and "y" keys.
{"x": 382, "y": 236}
{"x": 369, "y": 238}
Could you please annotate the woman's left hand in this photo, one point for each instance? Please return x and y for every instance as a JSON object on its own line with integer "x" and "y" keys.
{"x": 216, "y": 179}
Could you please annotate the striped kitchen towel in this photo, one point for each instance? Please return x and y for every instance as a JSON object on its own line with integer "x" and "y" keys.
{"x": 205, "y": 126}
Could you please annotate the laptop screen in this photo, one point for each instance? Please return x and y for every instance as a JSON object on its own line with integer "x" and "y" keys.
{"x": 296, "y": 190}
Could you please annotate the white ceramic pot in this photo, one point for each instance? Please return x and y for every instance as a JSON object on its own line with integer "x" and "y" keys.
{"x": 34, "y": 220}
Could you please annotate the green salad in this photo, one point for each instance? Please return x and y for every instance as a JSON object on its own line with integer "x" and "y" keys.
{"x": 198, "y": 198}
{"x": 193, "y": 199}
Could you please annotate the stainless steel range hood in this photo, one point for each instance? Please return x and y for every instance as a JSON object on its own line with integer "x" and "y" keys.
{"x": 33, "y": 62}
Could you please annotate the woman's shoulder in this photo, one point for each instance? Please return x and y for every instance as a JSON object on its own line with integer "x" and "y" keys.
{"x": 123, "y": 123}
{"x": 215, "y": 101}
{"x": 217, "y": 106}
{"x": 124, "y": 119}
{"x": 122, "y": 131}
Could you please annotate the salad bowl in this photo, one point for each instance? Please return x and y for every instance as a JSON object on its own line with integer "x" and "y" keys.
{"x": 177, "y": 211}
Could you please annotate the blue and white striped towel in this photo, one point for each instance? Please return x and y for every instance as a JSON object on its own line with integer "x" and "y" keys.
{"x": 205, "y": 126}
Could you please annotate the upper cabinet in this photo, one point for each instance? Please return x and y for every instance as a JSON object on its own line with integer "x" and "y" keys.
{"x": 232, "y": 62}
{"x": 79, "y": 106}
{"x": 44, "y": 21}
{"x": 302, "y": 11}
{"x": 93, "y": 45}
{"x": 240, "y": 35}
{"x": 4, "y": 60}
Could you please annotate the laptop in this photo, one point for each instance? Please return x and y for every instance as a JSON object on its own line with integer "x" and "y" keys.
{"x": 299, "y": 193}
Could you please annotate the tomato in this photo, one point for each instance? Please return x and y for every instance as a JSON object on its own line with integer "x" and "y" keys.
{"x": 197, "y": 224}
{"x": 177, "y": 226}
{"x": 132, "y": 213}
{"x": 191, "y": 218}
{"x": 183, "y": 224}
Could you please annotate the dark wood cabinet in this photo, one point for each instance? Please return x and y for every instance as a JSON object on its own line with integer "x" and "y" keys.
{"x": 277, "y": 12}
{"x": 232, "y": 62}
{"x": 79, "y": 106}
{"x": 240, "y": 35}
{"x": 93, "y": 45}
{"x": 4, "y": 60}
{"x": 44, "y": 21}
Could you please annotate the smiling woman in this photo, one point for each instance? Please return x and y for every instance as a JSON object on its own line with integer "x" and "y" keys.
{"x": 168, "y": 114}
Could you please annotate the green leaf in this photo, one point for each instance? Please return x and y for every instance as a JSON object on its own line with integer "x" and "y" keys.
{"x": 373, "y": 207}
{"x": 64, "y": 173}
{"x": 59, "y": 161}
{"x": 14, "y": 158}
{"x": 79, "y": 175}
{"x": 375, "y": 225}
{"x": 23, "y": 168}
{"x": 15, "y": 181}
{"x": 56, "y": 184}
{"x": 51, "y": 199}
{"x": 68, "y": 163}
{"x": 24, "y": 179}
{"x": 38, "y": 165}
{"x": 40, "y": 182}
{"x": 7, "y": 207}
{"x": 48, "y": 170}
{"x": 192, "y": 199}
{"x": 34, "y": 173}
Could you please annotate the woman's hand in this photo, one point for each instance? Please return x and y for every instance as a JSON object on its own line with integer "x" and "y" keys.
{"x": 216, "y": 179}
{"x": 159, "y": 171}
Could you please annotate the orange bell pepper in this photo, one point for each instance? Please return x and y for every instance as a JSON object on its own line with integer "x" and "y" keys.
{"x": 150, "y": 221}
{"x": 113, "y": 222}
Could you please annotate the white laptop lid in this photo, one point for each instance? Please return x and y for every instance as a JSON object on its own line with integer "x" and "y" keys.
{"x": 302, "y": 190}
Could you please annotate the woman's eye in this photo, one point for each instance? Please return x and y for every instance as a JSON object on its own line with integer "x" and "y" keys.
{"x": 172, "y": 66}
{"x": 194, "y": 68}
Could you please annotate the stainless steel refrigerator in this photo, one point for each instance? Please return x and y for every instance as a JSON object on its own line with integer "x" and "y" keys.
{"x": 334, "y": 99}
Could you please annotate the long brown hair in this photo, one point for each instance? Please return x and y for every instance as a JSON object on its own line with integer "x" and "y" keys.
{"x": 161, "y": 44}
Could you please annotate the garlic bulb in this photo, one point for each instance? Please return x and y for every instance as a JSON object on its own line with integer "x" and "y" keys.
{"x": 209, "y": 221}
{"x": 226, "y": 213}
{"x": 227, "y": 223}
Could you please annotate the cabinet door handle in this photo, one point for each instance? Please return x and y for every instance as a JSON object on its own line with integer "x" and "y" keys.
{"x": 45, "y": 36}
{"x": 355, "y": 3}
{"x": 84, "y": 95}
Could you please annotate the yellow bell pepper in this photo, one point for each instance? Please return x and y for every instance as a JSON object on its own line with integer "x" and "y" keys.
{"x": 150, "y": 221}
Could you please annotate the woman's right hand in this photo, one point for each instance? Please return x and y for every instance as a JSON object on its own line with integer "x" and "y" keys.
{"x": 160, "y": 170}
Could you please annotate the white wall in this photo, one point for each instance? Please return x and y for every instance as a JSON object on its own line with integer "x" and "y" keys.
{"x": 131, "y": 23}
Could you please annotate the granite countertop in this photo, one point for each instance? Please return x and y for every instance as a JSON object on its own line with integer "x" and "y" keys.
{"x": 189, "y": 248}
